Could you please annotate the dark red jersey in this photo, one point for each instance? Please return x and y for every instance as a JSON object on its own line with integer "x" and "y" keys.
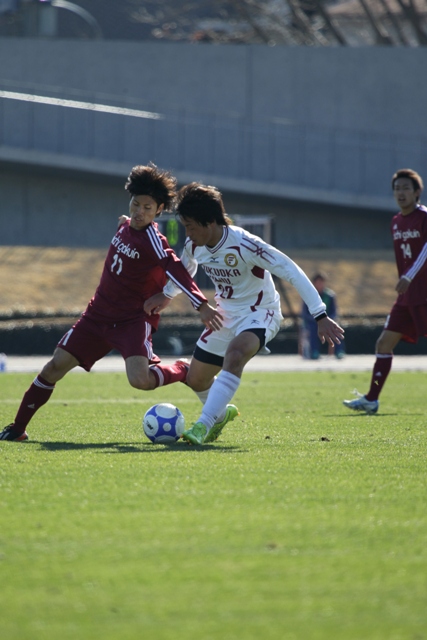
{"x": 137, "y": 266}
{"x": 410, "y": 248}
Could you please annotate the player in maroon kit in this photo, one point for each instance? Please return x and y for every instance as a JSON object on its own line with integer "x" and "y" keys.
{"x": 138, "y": 264}
{"x": 408, "y": 317}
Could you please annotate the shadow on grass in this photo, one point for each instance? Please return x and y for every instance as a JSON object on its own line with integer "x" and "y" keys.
{"x": 362, "y": 414}
{"x": 131, "y": 447}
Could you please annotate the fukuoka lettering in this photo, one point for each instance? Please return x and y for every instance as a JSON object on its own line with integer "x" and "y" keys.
{"x": 121, "y": 247}
{"x": 405, "y": 235}
{"x": 223, "y": 273}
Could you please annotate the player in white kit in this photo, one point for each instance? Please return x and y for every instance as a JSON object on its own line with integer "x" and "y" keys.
{"x": 240, "y": 266}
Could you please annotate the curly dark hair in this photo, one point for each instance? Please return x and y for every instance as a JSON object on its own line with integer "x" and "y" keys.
{"x": 201, "y": 203}
{"x": 151, "y": 181}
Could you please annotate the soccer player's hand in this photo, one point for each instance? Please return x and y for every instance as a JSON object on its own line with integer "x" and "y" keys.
{"x": 122, "y": 220}
{"x": 210, "y": 317}
{"x": 329, "y": 331}
{"x": 156, "y": 303}
{"x": 403, "y": 285}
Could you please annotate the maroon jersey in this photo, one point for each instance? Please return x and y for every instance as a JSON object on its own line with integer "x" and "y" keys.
{"x": 410, "y": 248}
{"x": 137, "y": 266}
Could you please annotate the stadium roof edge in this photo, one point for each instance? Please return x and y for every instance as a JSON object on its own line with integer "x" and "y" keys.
{"x": 93, "y": 167}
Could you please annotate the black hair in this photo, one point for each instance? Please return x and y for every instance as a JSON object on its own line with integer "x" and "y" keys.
{"x": 201, "y": 203}
{"x": 413, "y": 176}
{"x": 151, "y": 181}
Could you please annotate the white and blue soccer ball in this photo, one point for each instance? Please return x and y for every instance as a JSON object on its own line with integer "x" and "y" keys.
{"x": 163, "y": 423}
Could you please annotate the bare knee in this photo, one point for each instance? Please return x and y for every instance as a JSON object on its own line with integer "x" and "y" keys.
{"x": 235, "y": 361}
{"x": 61, "y": 363}
{"x": 196, "y": 383}
{"x": 49, "y": 371}
{"x": 387, "y": 342}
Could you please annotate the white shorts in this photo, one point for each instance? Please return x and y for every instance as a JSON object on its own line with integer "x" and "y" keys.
{"x": 217, "y": 342}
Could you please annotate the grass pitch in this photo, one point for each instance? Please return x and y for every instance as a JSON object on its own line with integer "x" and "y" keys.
{"x": 303, "y": 522}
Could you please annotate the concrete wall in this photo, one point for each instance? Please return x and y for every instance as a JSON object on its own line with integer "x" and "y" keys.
{"x": 41, "y": 208}
{"x": 309, "y": 135}
{"x": 372, "y": 89}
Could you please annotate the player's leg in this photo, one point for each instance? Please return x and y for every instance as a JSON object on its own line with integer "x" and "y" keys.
{"x": 139, "y": 374}
{"x": 144, "y": 369}
{"x": 39, "y": 393}
{"x": 242, "y": 348}
{"x": 201, "y": 373}
{"x": 208, "y": 427}
{"x": 146, "y": 377}
{"x": 238, "y": 349}
{"x": 369, "y": 402}
{"x": 61, "y": 363}
{"x": 207, "y": 361}
{"x": 405, "y": 323}
{"x": 384, "y": 359}
{"x": 82, "y": 345}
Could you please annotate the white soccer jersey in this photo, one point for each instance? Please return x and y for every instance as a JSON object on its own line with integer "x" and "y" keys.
{"x": 240, "y": 266}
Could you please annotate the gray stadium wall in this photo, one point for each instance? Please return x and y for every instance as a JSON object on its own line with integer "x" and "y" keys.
{"x": 308, "y": 135}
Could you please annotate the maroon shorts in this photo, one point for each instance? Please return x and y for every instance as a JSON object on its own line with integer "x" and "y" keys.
{"x": 411, "y": 322}
{"x": 89, "y": 341}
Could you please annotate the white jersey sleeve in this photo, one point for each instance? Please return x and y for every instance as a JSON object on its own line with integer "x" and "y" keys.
{"x": 263, "y": 255}
{"x": 240, "y": 267}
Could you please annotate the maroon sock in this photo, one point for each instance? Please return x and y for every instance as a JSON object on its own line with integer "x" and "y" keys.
{"x": 380, "y": 372}
{"x": 34, "y": 398}
{"x": 167, "y": 374}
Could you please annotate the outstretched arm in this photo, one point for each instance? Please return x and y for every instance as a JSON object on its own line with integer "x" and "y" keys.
{"x": 210, "y": 317}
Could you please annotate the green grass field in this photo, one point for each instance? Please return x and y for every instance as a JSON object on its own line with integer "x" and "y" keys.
{"x": 304, "y": 521}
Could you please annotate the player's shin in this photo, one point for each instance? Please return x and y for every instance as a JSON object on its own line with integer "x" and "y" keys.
{"x": 220, "y": 394}
{"x": 34, "y": 398}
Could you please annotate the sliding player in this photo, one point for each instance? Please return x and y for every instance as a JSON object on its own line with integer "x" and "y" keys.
{"x": 138, "y": 264}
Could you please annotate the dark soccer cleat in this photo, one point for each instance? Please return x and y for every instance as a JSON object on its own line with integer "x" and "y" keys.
{"x": 11, "y": 433}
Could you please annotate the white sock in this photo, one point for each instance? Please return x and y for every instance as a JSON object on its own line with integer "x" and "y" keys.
{"x": 220, "y": 394}
{"x": 203, "y": 395}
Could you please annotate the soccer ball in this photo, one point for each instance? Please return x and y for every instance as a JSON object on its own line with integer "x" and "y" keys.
{"x": 163, "y": 423}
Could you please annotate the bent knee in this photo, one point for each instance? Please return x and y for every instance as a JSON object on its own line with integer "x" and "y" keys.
{"x": 235, "y": 361}
{"x": 57, "y": 368}
{"x": 385, "y": 345}
{"x": 196, "y": 383}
